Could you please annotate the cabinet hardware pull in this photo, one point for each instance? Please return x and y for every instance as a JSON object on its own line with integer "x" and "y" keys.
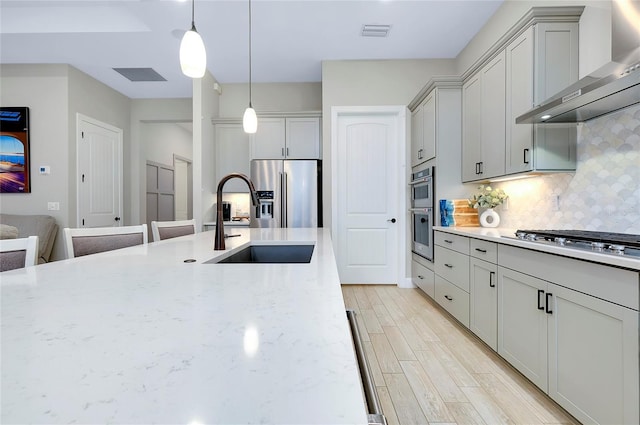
{"x": 287, "y": 151}
{"x": 448, "y": 297}
{"x": 525, "y": 160}
{"x": 477, "y": 168}
{"x": 547, "y": 304}
{"x": 282, "y": 150}
{"x": 448, "y": 265}
{"x": 448, "y": 241}
{"x": 420, "y": 277}
{"x": 484, "y": 251}
{"x": 540, "y": 306}
{"x": 492, "y": 275}
{"x": 481, "y": 164}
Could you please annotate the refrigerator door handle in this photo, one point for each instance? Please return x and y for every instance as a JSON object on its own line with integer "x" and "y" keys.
{"x": 285, "y": 189}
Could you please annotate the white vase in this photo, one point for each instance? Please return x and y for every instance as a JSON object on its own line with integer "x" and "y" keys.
{"x": 489, "y": 218}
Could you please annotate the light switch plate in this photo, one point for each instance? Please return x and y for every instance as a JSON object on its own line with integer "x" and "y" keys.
{"x": 53, "y": 206}
{"x": 45, "y": 169}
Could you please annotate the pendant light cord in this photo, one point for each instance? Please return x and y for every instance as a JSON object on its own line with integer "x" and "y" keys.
{"x": 193, "y": 13}
{"x": 250, "y": 105}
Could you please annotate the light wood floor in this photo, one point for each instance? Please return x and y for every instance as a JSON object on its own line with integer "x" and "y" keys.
{"x": 429, "y": 369}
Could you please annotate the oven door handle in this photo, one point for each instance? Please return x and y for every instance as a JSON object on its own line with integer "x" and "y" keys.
{"x": 420, "y": 180}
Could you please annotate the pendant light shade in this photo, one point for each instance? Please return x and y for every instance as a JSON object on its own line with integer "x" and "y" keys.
{"x": 193, "y": 56}
{"x": 250, "y": 120}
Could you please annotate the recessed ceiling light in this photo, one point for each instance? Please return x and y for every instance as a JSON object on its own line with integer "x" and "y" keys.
{"x": 375, "y": 30}
{"x": 545, "y": 117}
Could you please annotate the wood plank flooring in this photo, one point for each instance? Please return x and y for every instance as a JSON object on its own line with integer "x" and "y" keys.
{"x": 429, "y": 369}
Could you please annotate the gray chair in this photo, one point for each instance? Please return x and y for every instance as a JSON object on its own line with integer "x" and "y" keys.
{"x": 86, "y": 241}
{"x": 18, "y": 253}
{"x": 172, "y": 229}
{"x": 42, "y": 226}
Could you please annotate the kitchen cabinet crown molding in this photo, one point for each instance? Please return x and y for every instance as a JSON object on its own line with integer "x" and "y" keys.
{"x": 440, "y": 81}
{"x": 534, "y": 16}
{"x": 268, "y": 114}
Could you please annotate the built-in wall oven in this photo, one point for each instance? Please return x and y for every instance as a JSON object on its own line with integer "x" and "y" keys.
{"x": 422, "y": 212}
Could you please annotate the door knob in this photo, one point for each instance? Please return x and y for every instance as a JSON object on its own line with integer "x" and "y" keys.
{"x": 393, "y": 220}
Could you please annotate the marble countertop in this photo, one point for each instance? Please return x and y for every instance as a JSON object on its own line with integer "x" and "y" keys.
{"x": 507, "y": 236}
{"x": 140, "y": 336}
{"x": 232, "y": 223}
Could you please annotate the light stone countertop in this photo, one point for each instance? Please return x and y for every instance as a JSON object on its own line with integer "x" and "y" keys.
{"x": 507, "y": 236}
{"x": 138, "y": 336}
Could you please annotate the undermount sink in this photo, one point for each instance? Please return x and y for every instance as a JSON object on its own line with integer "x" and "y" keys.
{"x": 265, "y": 254}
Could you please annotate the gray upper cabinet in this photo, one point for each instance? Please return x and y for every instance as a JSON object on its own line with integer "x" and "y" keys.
{"x": 537, "y": 61}
{"x": 287, "y": 138}
{"x": 483, "y": 125}
{"x": 540, "y": 62}
{"x": 423, "y": 131}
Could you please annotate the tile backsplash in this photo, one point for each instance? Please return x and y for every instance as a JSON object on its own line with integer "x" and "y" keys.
{"x": 604, "y": 192}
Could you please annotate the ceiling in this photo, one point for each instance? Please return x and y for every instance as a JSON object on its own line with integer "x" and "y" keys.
{"x": 290, "y": 38}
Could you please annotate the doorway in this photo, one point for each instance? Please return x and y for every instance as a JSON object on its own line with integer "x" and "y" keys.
{"x": 183, "y": 176}
{"x": 99, "y": 166}
{"x": 368, "y": 193}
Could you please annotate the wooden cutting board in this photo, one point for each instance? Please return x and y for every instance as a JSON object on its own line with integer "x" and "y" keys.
{"x": 458, "y": 213}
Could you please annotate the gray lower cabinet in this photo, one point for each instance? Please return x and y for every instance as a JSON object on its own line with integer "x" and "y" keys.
{"x": 580, "y": 349}
{"x": 422, "y": 276}
{"x": 483, "y": 301}
{"x": 569, "y": 326}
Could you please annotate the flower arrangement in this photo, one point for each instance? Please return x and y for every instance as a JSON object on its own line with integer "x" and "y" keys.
{"x": 488, "y": 197}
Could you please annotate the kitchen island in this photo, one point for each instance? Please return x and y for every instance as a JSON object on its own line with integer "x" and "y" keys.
{"x": 140, "y": 336}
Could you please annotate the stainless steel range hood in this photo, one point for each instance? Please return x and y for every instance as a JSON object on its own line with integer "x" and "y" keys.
{"x": 612, "y": 87}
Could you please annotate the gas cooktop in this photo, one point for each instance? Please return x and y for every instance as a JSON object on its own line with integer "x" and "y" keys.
{"x": 601, "y": 242}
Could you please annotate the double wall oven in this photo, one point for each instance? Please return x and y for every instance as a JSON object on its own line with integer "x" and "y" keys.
{"x": 422, "y": 212}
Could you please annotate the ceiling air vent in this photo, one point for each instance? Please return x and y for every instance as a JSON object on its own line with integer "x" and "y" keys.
{"x": 375, "y": 30}
{"x": 140, "y": 74}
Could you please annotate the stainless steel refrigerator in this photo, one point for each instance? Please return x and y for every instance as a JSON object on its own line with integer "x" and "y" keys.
{"x": 289, "y": 192}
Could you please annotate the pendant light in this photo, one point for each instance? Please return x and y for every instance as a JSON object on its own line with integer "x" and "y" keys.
{"x": 250, "y": 120}
{"x": 193, "y": 56}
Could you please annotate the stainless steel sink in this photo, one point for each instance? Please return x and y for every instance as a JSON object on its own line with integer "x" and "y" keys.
{"x": 265, "y": 254}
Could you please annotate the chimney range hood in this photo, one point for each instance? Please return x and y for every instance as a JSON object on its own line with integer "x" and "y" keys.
{"x": 614, "y": 86}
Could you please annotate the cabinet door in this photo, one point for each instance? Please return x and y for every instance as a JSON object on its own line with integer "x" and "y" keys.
{"x": 232, "y": 155}
{"x": 483, "y": 301}
{"x": 302, "y": 138}
{"x": 423, "y": 278}
{"x": 493, "y": 105}
{"x": 268, "y": 142}
{"x": 593, "y": 358}
{"x": 471, "y": 125}
{"x": 556, "y": 67}
{"x": 519, "y": 91}
{"x": 522, "y": 325}
{"x": 429, "y": 118}
{"x": 417, "y": 136}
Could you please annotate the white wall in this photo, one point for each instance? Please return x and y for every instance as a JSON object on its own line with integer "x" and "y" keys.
{"x": 270, "y": 97}
{"x": 595, "y": 32}
{"x": 143, "y": 112}
{"x": 369, "y": 83}
{"x": 162, "y": 140}
{"x": 42, "y": 88}
{"x": 55, "y": 94}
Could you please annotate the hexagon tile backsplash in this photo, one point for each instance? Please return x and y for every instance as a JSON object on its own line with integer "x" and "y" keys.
{"x": 602, "y": 195}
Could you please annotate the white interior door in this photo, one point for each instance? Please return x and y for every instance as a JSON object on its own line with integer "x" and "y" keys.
{"x": 99, "y": 153}
{"x": 368, "y": 188}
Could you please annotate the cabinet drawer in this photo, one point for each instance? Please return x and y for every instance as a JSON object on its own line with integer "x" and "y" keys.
{"x": 454, "y": 242}
{"x": 423, "y": 278}
{"x": 453, "y": 299}
{"x": 452, "y": 266}
{"x": 484, "y": 250}
{"x": 608, "y": 283}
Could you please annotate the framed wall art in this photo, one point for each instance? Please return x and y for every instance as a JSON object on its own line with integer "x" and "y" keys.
{"x": 14, "y": 150}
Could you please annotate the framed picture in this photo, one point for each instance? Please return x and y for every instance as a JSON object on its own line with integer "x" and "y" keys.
{"x": 14, "y": 150}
